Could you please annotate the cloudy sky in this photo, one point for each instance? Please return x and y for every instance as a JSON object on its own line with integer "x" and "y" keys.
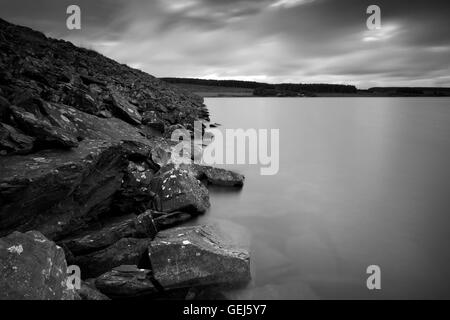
{"x": 262, "y": 40}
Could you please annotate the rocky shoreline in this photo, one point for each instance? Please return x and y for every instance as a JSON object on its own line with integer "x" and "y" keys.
{"x": 87, "y": 179}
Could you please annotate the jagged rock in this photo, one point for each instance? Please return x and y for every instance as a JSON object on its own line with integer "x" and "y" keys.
{"x": 13, "y": 141}
{"x": 32, "y": 268}
{"x": 38, "y": 119}
{"x": 151, "y": 119}
{"x": 126, "y": 281}
{"x": 141, "y": 226}
{"x": 89, "y": 292}
{"x": 134, "y": 194}
{"x": 197, "y": 256}
{"x": 179, "y": 190}
{"x": 217, "y": 176}
{"x": 126, "y": 251}
{"x": 58, "y": 193}
{"x": 125, "y": 110}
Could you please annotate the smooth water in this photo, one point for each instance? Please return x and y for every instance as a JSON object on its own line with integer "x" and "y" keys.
{"x": 362, "y": 181}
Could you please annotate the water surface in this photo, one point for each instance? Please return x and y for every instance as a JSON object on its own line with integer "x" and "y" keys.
{"x": 362, "y": 181}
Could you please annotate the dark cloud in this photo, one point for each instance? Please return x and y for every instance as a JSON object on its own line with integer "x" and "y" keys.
{"x": 266, "y": 40}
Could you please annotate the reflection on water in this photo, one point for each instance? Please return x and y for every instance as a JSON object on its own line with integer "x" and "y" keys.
{"x": 362, "y": 181}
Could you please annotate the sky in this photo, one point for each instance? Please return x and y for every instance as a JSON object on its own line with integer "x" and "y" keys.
{"x": 299, "y": 41}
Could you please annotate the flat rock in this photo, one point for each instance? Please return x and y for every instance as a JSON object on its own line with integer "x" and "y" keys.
{"x": 178, "y": 190}
{"x": 126, "y": 251}
{"x": 126, "y": 281}
{"x": 198, "y": 256}
{"x": 32, "y": 268}
{"x": 141, "y": 226}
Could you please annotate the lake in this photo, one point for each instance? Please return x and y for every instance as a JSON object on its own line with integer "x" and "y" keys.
{"x": 362, "y": 181}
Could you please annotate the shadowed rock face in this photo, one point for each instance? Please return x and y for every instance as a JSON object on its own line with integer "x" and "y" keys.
{"x": 32, "y": 268}
{"x": 127, "y": 251}
{"x": 197, "y": 256}
{"x": 141, "y": 226}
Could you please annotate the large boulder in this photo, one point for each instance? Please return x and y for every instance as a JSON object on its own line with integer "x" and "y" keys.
{"x": 178, "y": 190}
{"x": 58, "y": 193}
{"x": 32, "y": 268}
{"x": 126, "y": 281}
{"x": 126, "y": 251}
{"x": 198, "y": 256}
{"x": 141, "y": 226}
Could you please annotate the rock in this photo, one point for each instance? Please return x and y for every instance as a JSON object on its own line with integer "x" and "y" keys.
{"x": 125, "y": 110}
{"x": 32, "y": 268}
{"x": 4, "y": 108}
{"x": 126, "y": 251}
{"x": 151, "y": 119}
{"x": 89, "y": 292}
{"x": 197, "y": 256}
{"x": 161, "y": 151}
{"x": 38, "y": 119}
{"x": 59, "y": 193}
{"x": 83, "y": 111}
{"x": 217, "y": 176}
{"x": 134, "y": 194}
{"x": 168, "y": 132}
{"x": 178, "y": 190}
{"x": 141, "y": 226}
{"x": 165, "y": 220}
{"x": 13, "y": 141}
{"x": 126, "y": 281}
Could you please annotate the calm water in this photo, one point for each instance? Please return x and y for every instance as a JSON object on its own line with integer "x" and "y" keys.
{"x": 362, "y": 181}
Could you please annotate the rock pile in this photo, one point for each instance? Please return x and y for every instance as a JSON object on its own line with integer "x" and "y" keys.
{"x": 85, "y": 163}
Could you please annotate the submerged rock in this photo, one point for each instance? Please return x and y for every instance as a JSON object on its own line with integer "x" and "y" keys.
{"x": 217, "y": 176}
{"x": 197, "y": 256}
{"x": 178, "y": 190}
{"x": 126, "y": 251}
{"x": 126, "y": 281}
{"x": 32, "y": 268}
{"x": 141, "y": 226}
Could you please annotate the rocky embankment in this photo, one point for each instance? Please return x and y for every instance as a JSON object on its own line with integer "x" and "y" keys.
{"x": 86, "y": 179}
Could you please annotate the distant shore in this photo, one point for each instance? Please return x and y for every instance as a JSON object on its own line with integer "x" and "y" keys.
{"x": 239, "y": 89}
